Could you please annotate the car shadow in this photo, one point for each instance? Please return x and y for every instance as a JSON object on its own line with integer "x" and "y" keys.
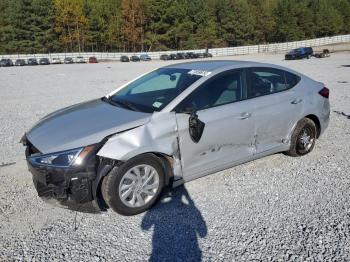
{"x": 177, "y": 225}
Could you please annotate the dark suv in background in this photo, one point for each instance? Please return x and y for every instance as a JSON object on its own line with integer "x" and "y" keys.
{"x": 6, "y": 62}
{"x": 20, "y": 62}
{"x": 44, "y": 61}
{"x": 124, "y": 58}
{"x": 299, "y": 53}
{"x": 32, "y": 61}
{"x": 68, "y": 60}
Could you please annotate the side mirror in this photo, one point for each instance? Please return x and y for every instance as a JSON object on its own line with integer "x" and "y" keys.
{"x": 196, "y": 127}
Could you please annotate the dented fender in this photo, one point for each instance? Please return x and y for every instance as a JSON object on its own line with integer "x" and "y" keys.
{"x": 158, "y": 135}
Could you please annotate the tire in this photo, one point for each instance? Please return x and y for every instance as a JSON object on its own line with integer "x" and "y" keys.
{"x": 300, "y": 144}
{"x": 121, "y": 182}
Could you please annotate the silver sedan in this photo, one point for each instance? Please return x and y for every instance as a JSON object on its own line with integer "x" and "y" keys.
{"x": 170, "y": 126}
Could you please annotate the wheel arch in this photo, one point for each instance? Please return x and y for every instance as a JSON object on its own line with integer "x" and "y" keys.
{"x": 106, "y": 165}
{"x": 317, "y": 122}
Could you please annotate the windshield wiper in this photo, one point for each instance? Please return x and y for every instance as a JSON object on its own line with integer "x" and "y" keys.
{"x": 119, "y": 103}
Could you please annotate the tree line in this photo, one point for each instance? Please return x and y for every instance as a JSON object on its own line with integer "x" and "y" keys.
{"x": 46, "y": 26}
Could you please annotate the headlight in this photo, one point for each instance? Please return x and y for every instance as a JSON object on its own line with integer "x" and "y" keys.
{"x": 64, "y": 158}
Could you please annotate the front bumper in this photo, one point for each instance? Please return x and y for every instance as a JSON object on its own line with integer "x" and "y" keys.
{"x": 65, "y": 187}
{"x": 74, "y": 188}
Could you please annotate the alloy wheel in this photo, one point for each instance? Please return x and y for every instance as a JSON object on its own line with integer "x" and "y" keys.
{"x": 306, "y": 139}
{"x": 138, "y": 186}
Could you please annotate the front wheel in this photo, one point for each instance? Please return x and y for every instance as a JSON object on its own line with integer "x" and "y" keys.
{"x": 135, "y": 186}
{"x": 303, "y": 138}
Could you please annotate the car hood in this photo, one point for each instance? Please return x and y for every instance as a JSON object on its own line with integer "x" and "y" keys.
{"x": 81, "y": 125}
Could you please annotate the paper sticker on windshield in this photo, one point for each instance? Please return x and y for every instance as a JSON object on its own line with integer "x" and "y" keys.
{"x": 199, "y": 72}
{"x": 157, "y": 104}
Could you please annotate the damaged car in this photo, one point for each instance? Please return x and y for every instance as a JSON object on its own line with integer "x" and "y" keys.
{"x": 171, "y": 126}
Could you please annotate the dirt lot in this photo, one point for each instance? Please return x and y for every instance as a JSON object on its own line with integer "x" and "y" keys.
{"x": 276, "y": 208}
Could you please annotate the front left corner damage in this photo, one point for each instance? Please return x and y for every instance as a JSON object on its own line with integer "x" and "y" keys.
{"x": 158, "y": 136}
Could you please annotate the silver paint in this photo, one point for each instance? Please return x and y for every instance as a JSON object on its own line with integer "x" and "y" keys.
{"x": 228, "y": 139}
{"x": 81, "y": 125}
{"x": 234, "y": 133}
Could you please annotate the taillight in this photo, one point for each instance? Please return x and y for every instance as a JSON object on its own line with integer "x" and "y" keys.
{"x": 324, "y": 92}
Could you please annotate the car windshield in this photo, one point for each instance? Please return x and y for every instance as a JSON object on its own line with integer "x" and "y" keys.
{"x": 155, "y": 90}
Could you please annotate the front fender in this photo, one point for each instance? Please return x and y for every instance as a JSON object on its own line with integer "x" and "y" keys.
{"x": 158, "y": 135}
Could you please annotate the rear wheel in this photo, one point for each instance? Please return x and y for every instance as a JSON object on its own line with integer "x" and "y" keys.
{"x": 303, "y": 138}
{"x": 135, "y": 186}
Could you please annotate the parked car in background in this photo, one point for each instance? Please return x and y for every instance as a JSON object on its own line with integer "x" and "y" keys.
{"x": 20, "y": 62}
{"x": 186, "y": 55}
{"x": 192, "y": 55}
{"x": 68, "y": 60}
{"x": 207, "y": 55}
{"x": 80, "y": 60}
{"x": 6, "y": 62}
{"x": 164, "y": 57}
{"x": 170, "y": 126}
{"x": 124, "y": 58}
{"x": 180, "y": 56}
{"x": 44, "y": 61}
{"x": 173, "y": 57}
{"x": 299, "y": 53}
{"x": 134, "y": 58}
{"x": 93, "y": 60}
{"x": 145, "y": 57}
{"x": 32, "y": 61}
{"x": 323, "y": 54}
{"x": 56, "y": 60}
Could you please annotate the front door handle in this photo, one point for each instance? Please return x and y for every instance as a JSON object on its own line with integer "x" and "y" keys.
{"x": 297, "y": 101}
{"x": 245, "y": 115}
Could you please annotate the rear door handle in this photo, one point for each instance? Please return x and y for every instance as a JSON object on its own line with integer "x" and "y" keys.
{"x": 297, "y": 101}
{"x": 245, "y": 115}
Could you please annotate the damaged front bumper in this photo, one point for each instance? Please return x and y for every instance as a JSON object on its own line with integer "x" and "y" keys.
{"x": 73, "y": 187}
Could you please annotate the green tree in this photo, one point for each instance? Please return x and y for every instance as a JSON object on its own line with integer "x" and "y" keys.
{"x": 31, "y": 26}
{"x": 327, "y": 18}
{"x": 70, "y": 23}
{"x": 236, "y": 21}
{"x": 264, "y": 21}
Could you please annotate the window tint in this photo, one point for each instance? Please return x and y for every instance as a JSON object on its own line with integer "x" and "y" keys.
{"x": 223, "y": 89}
{"x": 155, "y": 90}
{"x": 264, "y": 81}
{"x": 291, "y": 79}
{"x": 160, "y": 82}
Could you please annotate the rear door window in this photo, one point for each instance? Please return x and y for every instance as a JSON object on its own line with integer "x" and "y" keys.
{"x": 291, "y": 79}
{"x": 265, "y": 81}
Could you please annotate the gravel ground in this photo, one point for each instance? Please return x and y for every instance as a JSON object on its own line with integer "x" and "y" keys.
{"x": 275, "y": 208}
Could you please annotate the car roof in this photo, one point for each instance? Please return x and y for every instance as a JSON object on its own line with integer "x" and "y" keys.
{"x": 219, "y": 64}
